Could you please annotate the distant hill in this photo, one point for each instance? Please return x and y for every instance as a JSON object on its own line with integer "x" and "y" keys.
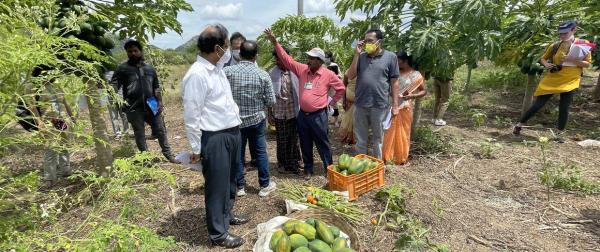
{"x": 188, "y": 45}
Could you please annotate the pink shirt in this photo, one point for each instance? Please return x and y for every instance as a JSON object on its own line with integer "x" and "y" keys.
{"x": 314, "y": 98}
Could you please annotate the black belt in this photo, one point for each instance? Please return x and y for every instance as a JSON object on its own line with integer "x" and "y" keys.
{"x": 234, "y": 129}
{"x": 312, "y": 113}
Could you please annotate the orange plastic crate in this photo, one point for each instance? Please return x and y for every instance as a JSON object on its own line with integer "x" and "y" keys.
{"x": 357, "y": 184}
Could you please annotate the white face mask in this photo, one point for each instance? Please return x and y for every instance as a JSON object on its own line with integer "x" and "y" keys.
{"x": 236, "y": 54}
{"x": 224, "y": 58}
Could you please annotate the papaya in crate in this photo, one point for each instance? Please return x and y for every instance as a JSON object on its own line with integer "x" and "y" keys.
{"x": 344, "y": 161}
{"x": 302, "y": 249}
{"x": 310, "y": 221}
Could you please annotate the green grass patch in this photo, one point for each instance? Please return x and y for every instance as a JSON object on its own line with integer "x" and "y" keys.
{"x": 568, "y": 178}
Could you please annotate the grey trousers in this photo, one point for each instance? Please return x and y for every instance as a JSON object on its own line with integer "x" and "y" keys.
{"x": 220, "y": 153}
{"x": 366, "y": 119}
{"x": 56, "y": 165}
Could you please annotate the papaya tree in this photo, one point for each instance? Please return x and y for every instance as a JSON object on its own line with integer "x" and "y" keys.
{"x": 478, "y": 24}
{"x": 529, "y": 28}
{"x": 441, "y": 35}
{"x": 91, "y": 23}
{"x": 299, "y": 34}
{"x": 591, "y": 25}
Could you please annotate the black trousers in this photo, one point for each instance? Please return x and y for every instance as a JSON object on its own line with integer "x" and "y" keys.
{"x": 563, "y": 108}
{"x": 220, "y": 153}
{"x": 137, "y": 119}
{"x": 313, "y": 128}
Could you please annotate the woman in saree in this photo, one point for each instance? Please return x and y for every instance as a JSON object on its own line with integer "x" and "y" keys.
{"x": 346, "y": 126}
{"x": 396, "y": 140}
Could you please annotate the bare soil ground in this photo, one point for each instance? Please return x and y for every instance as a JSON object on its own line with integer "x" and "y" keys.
{"x": 470, "y": 203}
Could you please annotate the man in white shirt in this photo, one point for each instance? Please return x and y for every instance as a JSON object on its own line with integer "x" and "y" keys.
{"x": 212, "y": 122}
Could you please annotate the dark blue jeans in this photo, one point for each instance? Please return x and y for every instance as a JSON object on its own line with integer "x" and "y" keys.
{"x": 255, "y": 136}
{"x": 312, "y": 128}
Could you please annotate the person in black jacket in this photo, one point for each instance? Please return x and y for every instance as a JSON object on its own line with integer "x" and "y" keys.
{"x": 141, "y": 90}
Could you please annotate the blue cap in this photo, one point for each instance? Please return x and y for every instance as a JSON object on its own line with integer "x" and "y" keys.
{"x": 567, "y": 26}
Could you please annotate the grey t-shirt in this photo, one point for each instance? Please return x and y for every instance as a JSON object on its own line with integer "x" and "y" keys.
{"x": 374, "y": 75}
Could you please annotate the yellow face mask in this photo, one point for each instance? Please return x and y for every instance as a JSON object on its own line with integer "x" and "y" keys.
{"x": 370, "y": 48}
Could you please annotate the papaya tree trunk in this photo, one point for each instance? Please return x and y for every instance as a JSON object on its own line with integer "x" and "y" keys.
{"x": 529, "y": 89}
{"x": 596, "y": 94}
{"x": 416, "y": 117}
{"x": 469, "y": 72}
{"x": 104, "y": 156}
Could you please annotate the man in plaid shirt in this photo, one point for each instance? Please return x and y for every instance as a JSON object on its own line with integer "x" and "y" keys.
{"x": 252, "y": 91}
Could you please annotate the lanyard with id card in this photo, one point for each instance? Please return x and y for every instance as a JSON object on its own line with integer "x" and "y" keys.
{"x": 308, "y": 85}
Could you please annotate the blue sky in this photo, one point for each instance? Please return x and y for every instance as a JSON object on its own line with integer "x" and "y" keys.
{"x": 250, "y": 17}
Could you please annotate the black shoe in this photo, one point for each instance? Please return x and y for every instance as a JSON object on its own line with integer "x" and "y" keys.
{"x": 239, "y": 220}
{"x": 517, "y": 130}
{"x": 231, "y": 241}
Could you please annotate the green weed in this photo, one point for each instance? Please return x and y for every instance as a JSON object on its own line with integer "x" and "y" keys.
{"x": 568, "y": 178}
{"x": 414, "y": 236}
{"x": 488, "y": 148}
{"x": 427, "y": 142}
{"x": 478, "y": 118}
{"x": 438, "y": 209}
{"x": 123, "y": 192}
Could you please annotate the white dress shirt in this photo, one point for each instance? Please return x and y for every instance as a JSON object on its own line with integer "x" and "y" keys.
{"x": 207, "y": 102}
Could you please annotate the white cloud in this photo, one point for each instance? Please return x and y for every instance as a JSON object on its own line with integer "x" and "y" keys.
{"x": 319, "y": 6}
{"x": 227, "y": 11}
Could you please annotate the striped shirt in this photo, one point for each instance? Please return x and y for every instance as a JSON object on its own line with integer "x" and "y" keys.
{"x": 252, "y": 91}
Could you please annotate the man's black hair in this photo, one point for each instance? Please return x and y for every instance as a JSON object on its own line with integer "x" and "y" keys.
{"x": 209, "y": 39}
{"x": 235, "y": 36}
{"x": 248, "y": 49}
{"x": 284, "y": 48}
{"x": 403, "y": 56}
{"x": 378, "y": 33}
{"x": 131, "y": 43}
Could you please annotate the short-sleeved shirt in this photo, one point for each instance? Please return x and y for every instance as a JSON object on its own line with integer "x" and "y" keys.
{"x": 373, "y": 83}
{"x": 138, "y": 83}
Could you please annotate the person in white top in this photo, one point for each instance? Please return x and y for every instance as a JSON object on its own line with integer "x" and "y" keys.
{"x": 212, "y": 122}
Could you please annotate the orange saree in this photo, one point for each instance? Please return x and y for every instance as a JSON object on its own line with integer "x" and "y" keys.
{"x": 396, "y": 140}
